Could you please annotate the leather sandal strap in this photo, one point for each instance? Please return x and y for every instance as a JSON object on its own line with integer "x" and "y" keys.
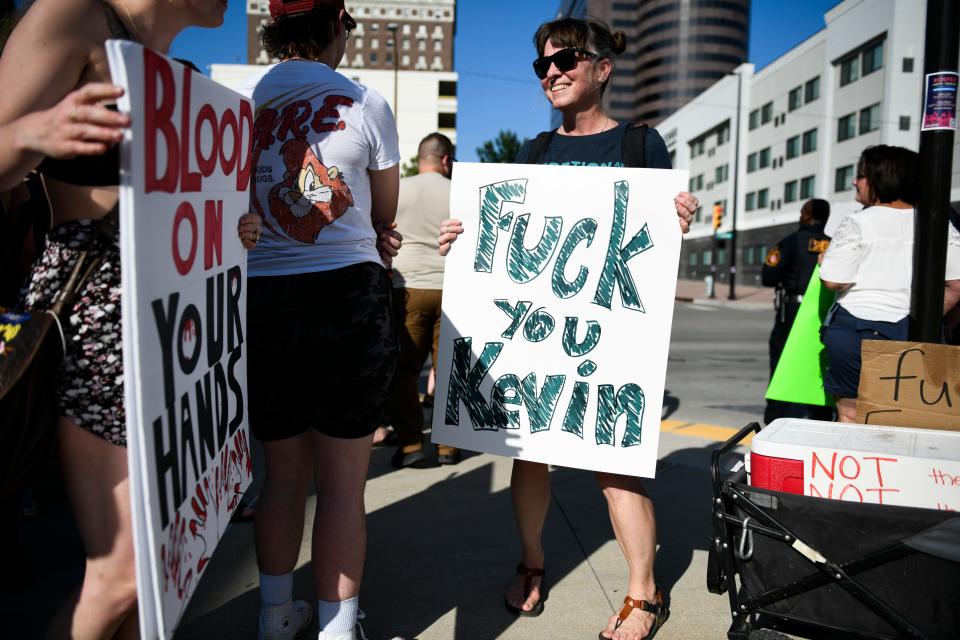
{"x": 528, "y": 574}
{"x": 629, "y": 604}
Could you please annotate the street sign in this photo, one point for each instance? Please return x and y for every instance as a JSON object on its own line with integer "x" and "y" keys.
{"x": 724, "y": 235}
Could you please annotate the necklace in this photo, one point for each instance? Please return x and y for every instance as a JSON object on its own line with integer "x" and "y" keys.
{"x": 133, "y": 23}
{"x": 606, "y": 125}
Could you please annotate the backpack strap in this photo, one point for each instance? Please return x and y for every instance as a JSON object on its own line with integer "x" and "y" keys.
{"x": 634, "y": 145}
{"x": 538, "y": 148}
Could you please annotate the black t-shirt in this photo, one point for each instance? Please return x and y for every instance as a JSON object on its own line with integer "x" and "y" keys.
{"x": 598, "y": 150}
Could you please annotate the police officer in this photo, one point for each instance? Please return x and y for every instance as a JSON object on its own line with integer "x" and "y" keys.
{"x": 788, "y": 267}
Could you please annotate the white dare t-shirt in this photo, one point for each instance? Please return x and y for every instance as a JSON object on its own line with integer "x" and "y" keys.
{"x": 316, "y": 134}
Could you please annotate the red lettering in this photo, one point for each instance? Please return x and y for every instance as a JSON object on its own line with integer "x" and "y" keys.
{"x": 184, "y": 212}
{"x": 814, "y": 492}
{"x": 229, "y": 121}
{"x": 329, "y": 110}
{"x": 263, "y": 128}
{"x": 880, "y": 493}
{"x": 212, "y": 232}
{"x": 206, "y": 114}
{"x": 244, "y": 149}
{"x": 189, "y": 181}
{"x": 292, "y": 118}
{"x": 843, "y": 464}
{"x": 848, "y": 487}
{"x": 815, "y": 460}
{"x": 158, "y": 78}
{"x": 878, "y": 460}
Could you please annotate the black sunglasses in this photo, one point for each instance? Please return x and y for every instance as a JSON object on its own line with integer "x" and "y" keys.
{"x": 564, "y": 60}
{"x": 349, "y": 24}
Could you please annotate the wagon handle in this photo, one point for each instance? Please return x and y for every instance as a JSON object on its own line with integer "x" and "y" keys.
{"x": 734, "y": 440}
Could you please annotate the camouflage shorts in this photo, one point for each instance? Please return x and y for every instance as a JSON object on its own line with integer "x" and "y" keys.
{"x": 322, "y": 352}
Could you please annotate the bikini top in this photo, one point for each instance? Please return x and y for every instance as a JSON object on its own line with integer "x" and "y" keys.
{"x": 92, "y": 171}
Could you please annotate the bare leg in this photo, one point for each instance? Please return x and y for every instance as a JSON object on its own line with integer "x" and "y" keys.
{"x": 95, "y": 473}
{"x": 631, "y": 514}
{"x": 340, "y": 522}
{"x": 278, "y": 527}
{"x": 847, "y": 409}
{"x": 530, "y": 488}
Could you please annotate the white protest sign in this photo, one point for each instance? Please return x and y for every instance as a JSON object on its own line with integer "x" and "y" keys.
{"x": 882, "y": 478}
{"x": 185, "y": 172}
{"x": 557, "y": 307}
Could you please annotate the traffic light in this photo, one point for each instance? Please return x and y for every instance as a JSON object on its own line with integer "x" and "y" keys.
{"x": 717, "y": 215}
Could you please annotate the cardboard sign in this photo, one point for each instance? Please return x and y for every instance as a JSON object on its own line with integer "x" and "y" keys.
{"x": 882, "y": 479}
{"x": 557, "y": 308}
{"x": 909, "y": 384}
{"x": 184, "y": 185}
{"x": 799, "y": 374}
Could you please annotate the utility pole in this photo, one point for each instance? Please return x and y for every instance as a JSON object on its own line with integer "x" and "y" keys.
{"x": 938, "y": 122}
{"x": 733, "y": 205}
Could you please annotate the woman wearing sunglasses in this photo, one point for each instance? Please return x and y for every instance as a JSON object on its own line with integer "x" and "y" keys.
{"x": 574, "y": 67}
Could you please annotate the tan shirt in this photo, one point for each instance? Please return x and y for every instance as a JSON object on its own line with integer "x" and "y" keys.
{"x": 424, "y": 203}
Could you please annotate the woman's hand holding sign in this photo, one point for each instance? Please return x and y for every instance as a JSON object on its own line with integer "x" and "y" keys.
{"x": 248, "y": 228}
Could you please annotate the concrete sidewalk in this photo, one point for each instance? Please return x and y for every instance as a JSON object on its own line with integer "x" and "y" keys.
{"x": 748, "y": 298}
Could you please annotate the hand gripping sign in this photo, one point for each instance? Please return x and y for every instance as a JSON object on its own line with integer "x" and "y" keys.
{"x": 185, "y": 173}
{"x": 557, "y": 308}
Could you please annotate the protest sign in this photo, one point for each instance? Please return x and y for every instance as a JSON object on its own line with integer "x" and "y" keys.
{"x": 185, "y": 171}
{"x": 799, "y": 374}
{"x": 557, "y": 308}
{"x": 909, "y": 384}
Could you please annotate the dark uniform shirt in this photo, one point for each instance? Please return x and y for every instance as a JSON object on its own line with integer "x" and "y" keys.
{"x": 791, "y": 261}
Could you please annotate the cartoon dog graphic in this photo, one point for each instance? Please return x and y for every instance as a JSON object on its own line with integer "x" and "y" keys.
{"x": 311, "y": 195}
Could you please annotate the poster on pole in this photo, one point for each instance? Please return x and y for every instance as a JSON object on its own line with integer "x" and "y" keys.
{"x": 940, "y": 101}
{"x": 557, "y": 309}
{"x": 185, "y": 173}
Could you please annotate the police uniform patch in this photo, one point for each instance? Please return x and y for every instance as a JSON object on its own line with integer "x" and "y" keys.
{"x": 818, "y": 246}
{"x": 773, "y": 257}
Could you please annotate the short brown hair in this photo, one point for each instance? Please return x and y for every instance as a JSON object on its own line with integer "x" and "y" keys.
{"x": 591, "y": 35}
{"x": 302, "y": 35}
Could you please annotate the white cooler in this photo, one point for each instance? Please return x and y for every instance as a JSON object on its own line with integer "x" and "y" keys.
{"x": 858, "y": 463}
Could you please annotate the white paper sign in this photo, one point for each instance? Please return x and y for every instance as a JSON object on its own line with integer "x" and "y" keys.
{"x": 184, "y": 184}
{"x": 557, "y": 307}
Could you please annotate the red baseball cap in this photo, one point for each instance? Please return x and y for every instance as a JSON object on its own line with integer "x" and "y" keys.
{"x": 291, "y": 7}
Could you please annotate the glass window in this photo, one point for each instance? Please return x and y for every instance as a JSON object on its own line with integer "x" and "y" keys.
{"x": 721, "y": 255}
{"x": 844, "y": 179}
{"x": 794, "y": 99}
{"x": 849, "y": 71}
{"x": 872, "y": 58}
{"x": 448, "y": 88}
{"x": 748, "y": 255}
{"x": 904, "y": 123}
{"x": 751, "y": 201}
{"x": 870, "y": 119}
{"x": 720, "y": 174}
{"x": 793, "y": 147}
{"x": 811, "y": 90}
{"x": 754, "y": 118}
{"x": 751, "y": 162}
{"x": 846, "y": 127}
{"x": 764, "y": 157}
{"x": 790, "y": 191}
{"x": 706, "y": 257}
{"x": 807, "y": 187}
{"x": 693, "y": 258}
{"x": 766, "y": 113}
{"x": 723, "y": 135}
{"x": 762, "y": 198}
{"x": 908, "y": 65}
{"x": 446, "y": 121}
{"x": 810, "y": 141}
{"x": 373, "y": 57}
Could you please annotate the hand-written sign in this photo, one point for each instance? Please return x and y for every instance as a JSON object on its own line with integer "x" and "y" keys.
{"x": 882, "y": 479}
{"x": 184, "y": 184}
{"x": 557, "y": 308}
{"x": 909, "y": 384}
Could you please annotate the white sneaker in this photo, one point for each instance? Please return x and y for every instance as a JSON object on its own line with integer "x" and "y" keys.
{"x": 284, "y": 621}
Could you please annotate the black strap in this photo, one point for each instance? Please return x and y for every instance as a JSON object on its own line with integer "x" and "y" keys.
{"x": 633, "y": 146}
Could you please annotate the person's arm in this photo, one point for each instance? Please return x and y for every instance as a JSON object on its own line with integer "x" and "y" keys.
{"x": 40, "y": 113}
{"x": 384, "y": 191}
{"x": 951, "y": 295}
{"x": 774, "y": 264}
{"x": 841, "y": 261}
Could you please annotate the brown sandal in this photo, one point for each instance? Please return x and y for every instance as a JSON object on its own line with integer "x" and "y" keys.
{"x": 660, "y": 611}
{"x": 528, "y": 576}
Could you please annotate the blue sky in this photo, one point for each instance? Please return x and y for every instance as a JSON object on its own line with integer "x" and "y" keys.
{"x": 497, "y": 88}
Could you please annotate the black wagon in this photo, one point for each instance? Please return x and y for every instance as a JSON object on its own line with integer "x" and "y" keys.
{"x": 819, "y": 568}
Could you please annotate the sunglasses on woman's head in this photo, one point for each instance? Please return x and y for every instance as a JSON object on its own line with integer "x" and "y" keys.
{"x": 564, "y": 60}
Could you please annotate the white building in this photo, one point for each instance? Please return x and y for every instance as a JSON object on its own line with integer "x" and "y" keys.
{"x": 803, "y": 121}
{"x": 403, "y": 49}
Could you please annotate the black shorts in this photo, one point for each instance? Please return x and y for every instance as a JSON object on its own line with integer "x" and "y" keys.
{"x": 322, "y": 352}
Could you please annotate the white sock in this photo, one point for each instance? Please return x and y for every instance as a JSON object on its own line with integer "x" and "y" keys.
{"x": 276, "y": 590}
{"x": 337, "y": 617}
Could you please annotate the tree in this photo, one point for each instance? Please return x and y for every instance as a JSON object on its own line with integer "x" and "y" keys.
{"x": 410, "y": 168}
{"x": 503, "y": 148}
